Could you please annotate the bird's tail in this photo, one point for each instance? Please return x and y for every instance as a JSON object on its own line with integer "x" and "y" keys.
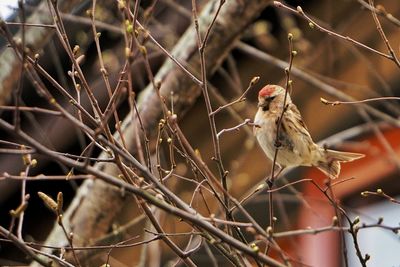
{"x": 330, "y": 161}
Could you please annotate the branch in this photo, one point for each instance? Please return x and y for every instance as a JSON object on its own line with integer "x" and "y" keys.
{"x": 315, "y": 82}
{"x": 97, "y": 196}
{"x": 35, "y": 38}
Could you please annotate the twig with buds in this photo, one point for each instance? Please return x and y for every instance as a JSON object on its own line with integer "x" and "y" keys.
{"x": 105, "y": 74}
{"x": 240, "y": 98}
{"x": 391, "y": 52}
{"x": 335, "y": 103}
{"x": 315, "y": 82}
{"x": 380, "y": 10}
{"x": 270, "y": 181}
{"x": 379, "y": 192}
{"x": 57, "y": 208}
{"x": 299, "y": 11}
{"x": 353, "y": 228}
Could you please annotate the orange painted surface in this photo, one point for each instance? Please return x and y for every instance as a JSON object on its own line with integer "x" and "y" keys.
{"x": 324, "y": 249}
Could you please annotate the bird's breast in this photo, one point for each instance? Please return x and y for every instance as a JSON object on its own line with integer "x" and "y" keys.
{"x": 292, "y": 152}
{"x": 265, "y": 132}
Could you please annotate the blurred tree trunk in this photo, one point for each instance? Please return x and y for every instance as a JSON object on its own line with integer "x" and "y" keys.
{"x": 35, "y": 38}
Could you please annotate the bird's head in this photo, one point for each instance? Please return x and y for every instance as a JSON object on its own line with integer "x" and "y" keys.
{"x": 270, "y": 94}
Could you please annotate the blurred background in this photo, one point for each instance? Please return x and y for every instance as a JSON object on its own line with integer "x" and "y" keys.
{"x": 322, "y": 62}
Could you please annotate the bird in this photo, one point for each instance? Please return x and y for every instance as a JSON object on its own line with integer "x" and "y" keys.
{"x": 289, "y": 135}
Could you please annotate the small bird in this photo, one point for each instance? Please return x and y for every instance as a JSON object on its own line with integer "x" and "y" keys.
{"x": 294, "y": 143}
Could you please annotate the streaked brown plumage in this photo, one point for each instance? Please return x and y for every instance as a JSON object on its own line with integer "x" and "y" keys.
{"x": 296, "y": 147}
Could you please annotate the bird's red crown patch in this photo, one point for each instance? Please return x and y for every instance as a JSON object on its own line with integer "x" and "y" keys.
{"x": 266, "y": 90}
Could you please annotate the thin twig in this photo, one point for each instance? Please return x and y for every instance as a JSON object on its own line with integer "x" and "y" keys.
{"x": 315, "y": 82}
{"x": 22, "y": 246}
{"x": 383, "y": 36}
{"x": 30, "y": 24}
{"x": 379, "y": 192}
{"x": 299, "y": 11}
{"x": 335, "y": 103}
{"x": 380, "y": 10}
{"x": 239, "y": 99}
{"x": 236, "y": 128}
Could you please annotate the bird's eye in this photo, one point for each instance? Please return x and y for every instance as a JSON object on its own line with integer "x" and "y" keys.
{"x": 270, "y": 98}
{"x": 266, "y": 103}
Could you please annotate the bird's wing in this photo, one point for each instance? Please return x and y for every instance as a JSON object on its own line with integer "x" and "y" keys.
{"x": 284, "y": 137}
{"x": 293, "y": 120}
{"x": 296, "y": 131}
